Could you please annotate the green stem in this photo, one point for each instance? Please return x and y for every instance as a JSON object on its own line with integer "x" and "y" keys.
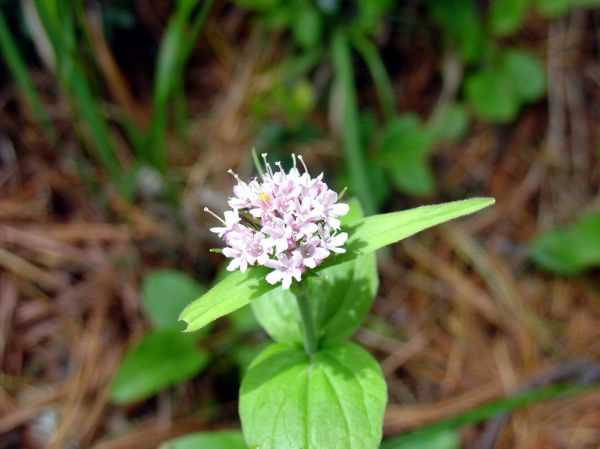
{"x": 308, "y": 323}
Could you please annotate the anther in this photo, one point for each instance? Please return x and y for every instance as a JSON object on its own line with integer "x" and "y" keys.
{"x": 234, "y": 174}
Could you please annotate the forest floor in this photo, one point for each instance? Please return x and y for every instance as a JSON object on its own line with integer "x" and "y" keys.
{"x": 462, "y": 316}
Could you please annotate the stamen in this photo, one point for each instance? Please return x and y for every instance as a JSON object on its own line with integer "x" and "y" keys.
{"x": 279, "y": 165}
{"x": 294, "y": 159}
{"x": 302, "y": 162}
{"x": 267, "y": 165}
{"x": 206, "y": 209}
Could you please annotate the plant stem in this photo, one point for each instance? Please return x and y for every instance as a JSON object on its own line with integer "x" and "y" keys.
{"x": 308, "y": 322}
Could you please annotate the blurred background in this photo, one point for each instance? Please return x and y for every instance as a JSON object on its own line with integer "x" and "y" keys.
{"x": 119, "y": 119}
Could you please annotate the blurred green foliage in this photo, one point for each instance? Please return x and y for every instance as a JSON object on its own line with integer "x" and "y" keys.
{"x": 571, "y": 250}
{"x": 165, "y": 356}
{"x": 224, "y": 439}
{"x": 445, "y": 439}
{"x": 162, "y": 359}
{"x": 384, "y": 147}
{"x": 496, "y": 81}
{"x": 164, "y": 295}
{"x": 64, "y": 28}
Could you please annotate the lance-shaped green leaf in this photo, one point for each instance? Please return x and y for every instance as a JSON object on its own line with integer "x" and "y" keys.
{"x": 365, "y": 236}
{"x": 332, "y": 400}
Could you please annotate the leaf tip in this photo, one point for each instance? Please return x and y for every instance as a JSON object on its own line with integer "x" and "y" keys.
{"x": 182, "y": 318}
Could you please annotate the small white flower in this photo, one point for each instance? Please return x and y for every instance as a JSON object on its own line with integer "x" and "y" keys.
{"x": 333, "y": 242}
{"x": 312, "y": 252}
{"x": 231, "y": 219}
{"x": 287, "y": 221}
{"x": 286, "y": 267}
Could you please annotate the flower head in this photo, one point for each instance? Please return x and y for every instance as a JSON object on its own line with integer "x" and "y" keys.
{"x": 286, "y": 221}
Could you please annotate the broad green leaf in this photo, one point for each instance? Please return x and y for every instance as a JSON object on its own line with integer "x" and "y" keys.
{"x": 554, "y": 8}
{"x": 277, "y": 312}
{"x": 506, "y": 16}
{"x": 525, "y": 72}
{"x": 404, "y": 132}
{"x": 365, "y": 236}
{"x": 224, "y": 439}
{"x": 334, "y": 400}
{"x": 344, "y": 297}
{"x": 445, "y": 439}
{"x": 414, "y": 177}
{"x": 162, "y": 359}
{"x": 308, "y": 27}
{"x": 571, "y": 250}
{"x": 340, "y": 298}
{"x": 451, "y": 123}
{"x": 404, "y": 151}
{"x": 460, "y": 19}
{"x": 492, "y": 96}
{"x": 164, "y": 295}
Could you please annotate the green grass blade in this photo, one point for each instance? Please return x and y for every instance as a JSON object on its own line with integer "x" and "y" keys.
{"x": 94, "y": 119}
{"x": 176, "y": 46}
{"x": 344, "y": 71}
{"x": 59, "y": 25}
{"x": 18, "y": 69}
{"x": 383, "y": 85}
{"x": 194, "y": 31}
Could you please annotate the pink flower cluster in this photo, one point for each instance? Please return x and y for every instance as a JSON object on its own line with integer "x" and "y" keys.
{"x": 288, "y": 222}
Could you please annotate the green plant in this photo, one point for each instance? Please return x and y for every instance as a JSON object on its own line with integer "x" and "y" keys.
{"x": 325, "y": 34}
{"x": 498, "y": 92}
{"x": 18, "y": 69}
{"x": 164, "y": 356}
{"x": 225, "y": 439}
{"x": 311, "y": 388}
{"x": 571, "y": 250}
{"x": 64, "y": 25}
